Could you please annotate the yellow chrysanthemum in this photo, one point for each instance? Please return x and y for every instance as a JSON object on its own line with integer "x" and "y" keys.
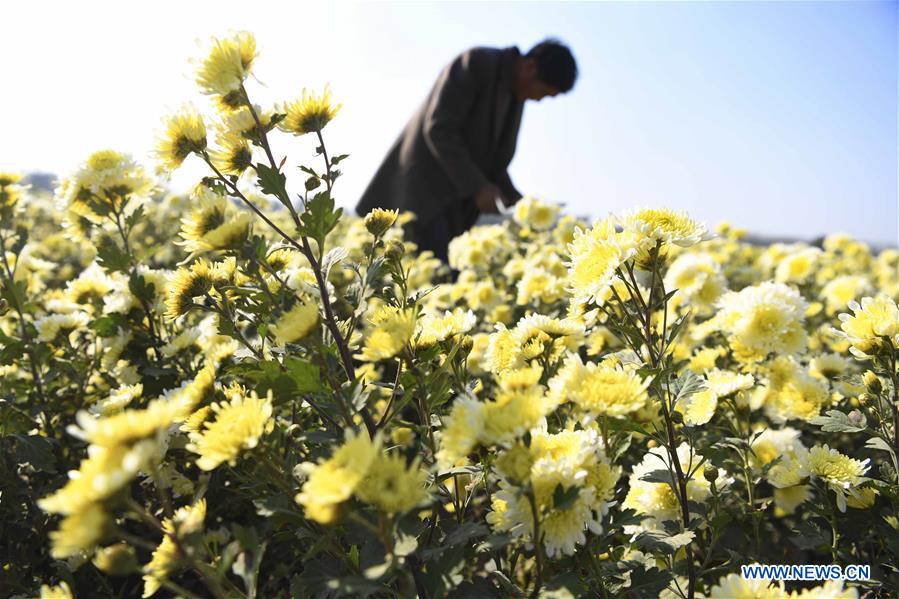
{"x": 379, "y": 220}
{"x": 531, "y": 212}
{"x": 664, "y": 225}
{"x": 80, "y": 531}
{"x": 186, "y": 284}
{"x": 393, "y": 486}
{"x": 389, "y": 330}
{"x": 104, "y": 472}
{"x": 184, "y": 134}
{"x": 462, "y": 429}
{"x": 228, "y": 63}
{"x": 166, "y": 559}
{"x": 763, "y": 319}
{"x": 595, "y": 256}
{"x": 309, "y": 114}
{"x": 840, "y": 472}
{"x": 871, "y": 321}
{"x": 60, "y": 591}
{"x": 734, "y": 586}
{"x": 125, "y": 427}
{"x": 297, "y": 322}
{"x": 333, "y": 481}
{"x": 600, "y": 389}
{"x": 238, "y": 425}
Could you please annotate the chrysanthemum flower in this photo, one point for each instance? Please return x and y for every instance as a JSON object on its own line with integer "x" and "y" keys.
{"x": 10, "y": 190}
{"x": 228, "y": 64}
{"x": 797, "y": 266}
{"x": 104, "y": 183}
{"x": 125, "y": 427}
{"x": 840, "y": 472}
{"x": 309, "y": 114}
{"x": 186, "y": 284}
{"x": 393, "y": 486}
{"x": 185, "y": 134}
{"x": 389, "y": 330}
{"x": 663, "y": 225}
{"x": 462, "y": 429}
{"x": 238, "y": 425}
{"x": 214, "y": 224}
{"x": 553, "y": 462}
{"x": 232, "y": 155}
{"x": 531, "y": 212}
{"x": 600, "y": 389}
{"x": 595, "y": 255}
{"x": 104, "y": 472}
{"x": 431, "y": 329}
{"x": 841, "y": 290}
{"x": 60, "y": 591}
{"x": 166, "y": 560}
{"x": 297, "y": 322}
{"x": 657, "y": 499}
{"x": 871, "y": 321}
{"x": 699, "y": 281}
{"x": 79, "y": 531}
{"x": 791, "y": 392}
{"x": 333, "y": 481}
{"x": 734, "y": 586}
{"x": 763, "y": 319}
{"x": 379, "y": 220}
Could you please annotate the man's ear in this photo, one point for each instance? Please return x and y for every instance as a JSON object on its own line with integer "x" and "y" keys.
{"x": 529, "y": 68}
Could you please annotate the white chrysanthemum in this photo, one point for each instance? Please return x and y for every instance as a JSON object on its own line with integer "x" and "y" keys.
{"x": 50, "y": 326}
{"x": 664, "y": 225}
{"x": 763, "y": 319}
{"x": 531, "y": 212}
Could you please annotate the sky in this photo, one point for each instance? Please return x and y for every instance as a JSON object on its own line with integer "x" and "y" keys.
{"x": 779, "y": 117}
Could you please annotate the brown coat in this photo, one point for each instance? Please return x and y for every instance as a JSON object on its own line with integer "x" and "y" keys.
{"x": 461, "y": 138}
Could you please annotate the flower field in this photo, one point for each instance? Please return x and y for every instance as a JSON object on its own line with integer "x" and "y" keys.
{"x": 244, "y": 392}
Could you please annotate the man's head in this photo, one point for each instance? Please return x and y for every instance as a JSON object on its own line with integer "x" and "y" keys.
{"x": 546, "y": 70}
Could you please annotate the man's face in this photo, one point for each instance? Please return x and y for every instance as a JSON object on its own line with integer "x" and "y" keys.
{"x": 529, "y": 86}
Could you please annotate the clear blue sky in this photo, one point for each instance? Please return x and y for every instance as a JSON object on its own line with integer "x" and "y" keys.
{"x": 780, "y": 117}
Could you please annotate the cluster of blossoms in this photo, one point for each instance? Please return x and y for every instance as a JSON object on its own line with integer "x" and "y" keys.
{"x": 257, "y": 398}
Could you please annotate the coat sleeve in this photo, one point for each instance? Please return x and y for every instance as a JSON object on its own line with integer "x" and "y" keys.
{"x": 508, "y": 188}
{"x": 453, "y": 98}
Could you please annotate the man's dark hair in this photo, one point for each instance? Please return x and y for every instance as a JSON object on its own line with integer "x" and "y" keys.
{"x": 555, "y": 64}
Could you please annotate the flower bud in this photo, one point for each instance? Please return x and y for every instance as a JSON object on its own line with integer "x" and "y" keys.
{"x": 710, "y": 473}
{"x": 677, "y": 417}
{"x": 116, "y": 560}
{"x": 857, "y": 418}
{"x": 379, "y": 220}
{"x": 394, "y": 250}
{"x": 872, "y": 383}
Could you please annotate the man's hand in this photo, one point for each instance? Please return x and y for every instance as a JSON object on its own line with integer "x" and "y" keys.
{"x": 486, "y": 197}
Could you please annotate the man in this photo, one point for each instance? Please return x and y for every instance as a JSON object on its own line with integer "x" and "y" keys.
{"x": 450, "y": 163}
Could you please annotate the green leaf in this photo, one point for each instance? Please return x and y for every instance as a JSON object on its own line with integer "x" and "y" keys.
{"x": 134, "y": 218}
{"x": 140, "y": 289}
{"x": 320, "y": 217}
{"x": 294, "y": 378}
{"x": 658, "y": 476}
{"x": 111, "y": 256}
{"x": 647, "y": 584}
{"x": 335, "y": 160}
{"x": 37, "y": 451}
{"x": 108, "y": 326}
{"x": 687, "y": 384}
{"x": 657, "y": 541}
{"x": 564, "y": 498}
{"x": 836, "y": 422}
{"x": 272, "y": 181}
